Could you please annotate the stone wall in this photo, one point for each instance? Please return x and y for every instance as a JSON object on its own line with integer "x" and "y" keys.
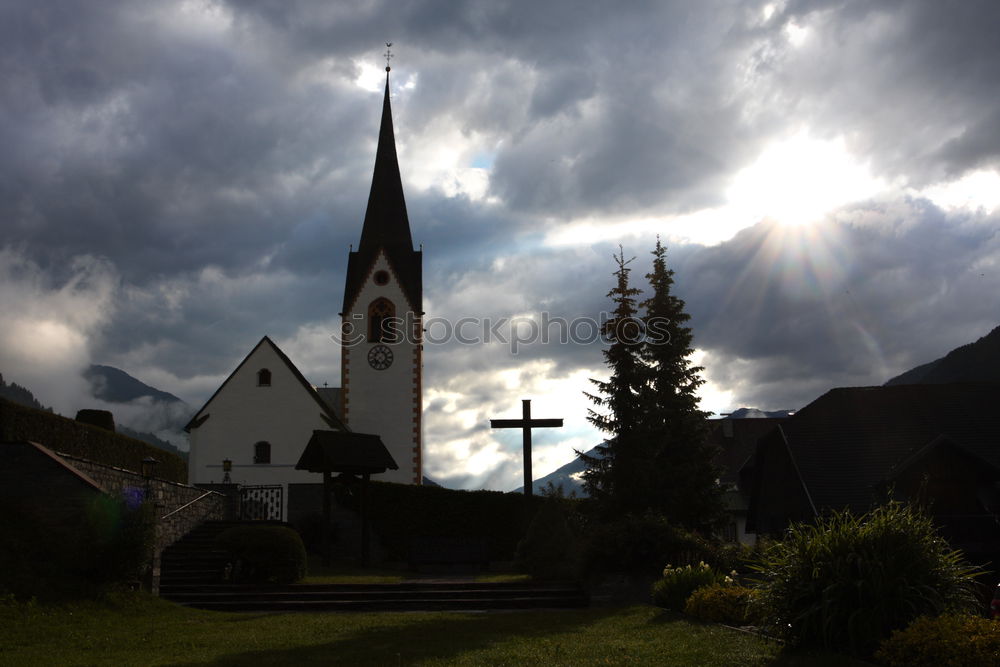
{"x": 179, "y": 507}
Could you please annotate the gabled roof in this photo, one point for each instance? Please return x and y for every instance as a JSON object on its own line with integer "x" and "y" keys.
{"x": 736, "y": 440}
{"x": 848, "y": 441}
{"x": 355, "y": 453}
{"x": 325, "y": 410}
{"x": 386, "y": 226}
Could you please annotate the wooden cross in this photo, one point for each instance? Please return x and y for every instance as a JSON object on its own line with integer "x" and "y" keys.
{"x": 526, "y": 423}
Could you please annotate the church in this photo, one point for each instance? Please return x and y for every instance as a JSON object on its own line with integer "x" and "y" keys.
{"x": 256, "y": 425}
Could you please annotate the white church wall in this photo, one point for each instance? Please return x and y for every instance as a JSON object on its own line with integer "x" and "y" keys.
{"x": 242, "y": 413}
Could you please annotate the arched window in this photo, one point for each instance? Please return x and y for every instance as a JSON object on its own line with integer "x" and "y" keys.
{"x": 263, "y": 378}
{"x": 262, "y": 452}
{"x": 381, "y": 328}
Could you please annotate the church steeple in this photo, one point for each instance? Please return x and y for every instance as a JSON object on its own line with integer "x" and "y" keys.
{"x": 385, "y": 220}
{"x": 381, "y": 353}
{"x": 386, "y": 227}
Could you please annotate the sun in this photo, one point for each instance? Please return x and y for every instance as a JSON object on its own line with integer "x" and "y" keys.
{"x": 798, "y": 180}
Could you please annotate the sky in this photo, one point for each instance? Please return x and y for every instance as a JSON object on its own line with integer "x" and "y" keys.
{"x": 178, "y": 179}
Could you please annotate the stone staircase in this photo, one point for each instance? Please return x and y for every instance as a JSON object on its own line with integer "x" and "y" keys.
{"x": 191, "y": 575}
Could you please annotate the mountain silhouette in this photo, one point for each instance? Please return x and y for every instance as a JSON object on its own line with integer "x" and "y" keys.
{"x": 975, "y": 362}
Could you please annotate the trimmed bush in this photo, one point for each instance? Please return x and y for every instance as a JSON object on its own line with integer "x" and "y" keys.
{"x": 18, "y": 423}
{"x": 845, "y": 583}
{"x": 640, "y": 544}
{"x": 942, "y": 642}
{"x": 722, "y": 603}
{"x": 549, "y": 550}
{"x": 678, "y": 583}
{"x": 107, "y": 543}
{"x": 401, "y": 513}
{"x": 264, "y": 554}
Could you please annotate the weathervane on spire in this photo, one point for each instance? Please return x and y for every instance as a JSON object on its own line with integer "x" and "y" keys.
{"x": 388, "y": 55}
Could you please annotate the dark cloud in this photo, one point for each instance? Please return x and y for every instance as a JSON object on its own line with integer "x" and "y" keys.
{"x": 199, "y": 170}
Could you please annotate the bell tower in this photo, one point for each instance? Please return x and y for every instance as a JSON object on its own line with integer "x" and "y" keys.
{"x": 382, "y": 341}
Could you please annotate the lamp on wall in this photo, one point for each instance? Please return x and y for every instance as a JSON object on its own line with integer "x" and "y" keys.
{"x": 227, "y": 466}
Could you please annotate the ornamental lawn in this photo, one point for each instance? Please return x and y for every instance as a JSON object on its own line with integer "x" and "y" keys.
{"x": 139, "y": 630}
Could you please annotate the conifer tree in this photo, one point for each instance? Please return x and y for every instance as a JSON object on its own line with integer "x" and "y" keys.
{"x": 656, "y": 457}
{"x": 619, "y": 411}
{"x": 685, "y": 487}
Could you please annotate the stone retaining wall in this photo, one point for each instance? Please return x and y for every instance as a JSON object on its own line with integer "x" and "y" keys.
{"x": 180, "y": 507}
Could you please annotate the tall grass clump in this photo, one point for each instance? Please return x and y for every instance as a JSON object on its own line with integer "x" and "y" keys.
{"x": 845, "y": 583}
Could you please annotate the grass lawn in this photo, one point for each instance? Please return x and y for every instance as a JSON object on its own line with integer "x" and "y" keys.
{"x": 138, "y": 630}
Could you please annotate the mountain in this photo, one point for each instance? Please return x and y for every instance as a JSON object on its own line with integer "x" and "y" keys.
{"x": 975, "y": 362}
{"x": 23, "y": 396}
{"x": 20, "y": 395}
{"x": 139, "y": 406}
{"x": 151, "y": 439}
{"x": 754, "y": 413}
{"x": 114, "y": 385}
{"x": 569, "y": 478}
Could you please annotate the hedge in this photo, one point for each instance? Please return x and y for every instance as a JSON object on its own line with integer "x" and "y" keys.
{"x": 20, "y": 423}
{"x": 401, "y": 512}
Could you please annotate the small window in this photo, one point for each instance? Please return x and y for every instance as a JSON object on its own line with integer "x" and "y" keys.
{"x": 263, "y": 378}
{"x": 262, "y": 452}
{"x": 381, "y": 277}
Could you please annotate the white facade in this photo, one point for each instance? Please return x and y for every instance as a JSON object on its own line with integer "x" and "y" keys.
{"x": 245, "y": 412}
{"x": 385, "y": 401}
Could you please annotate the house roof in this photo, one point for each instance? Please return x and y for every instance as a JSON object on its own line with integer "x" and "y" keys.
{"x": 386, "y": 227}
{"x": 736, "y": 440}
{"x": 326, "y": 411}
{"x": 355, "y": 453}
{"x": 847, "y": 442}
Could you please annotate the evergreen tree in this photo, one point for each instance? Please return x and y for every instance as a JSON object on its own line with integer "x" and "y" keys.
{"x": 657, "y": 456}
{"x": 685, "y": 487}
{"x": 619, "y": 411}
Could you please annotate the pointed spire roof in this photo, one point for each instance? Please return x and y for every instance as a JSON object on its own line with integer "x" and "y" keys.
{"x": 386, "y": 223}
{"x": 386, "y": 226}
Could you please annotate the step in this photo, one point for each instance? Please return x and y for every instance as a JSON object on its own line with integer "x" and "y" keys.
{"x": 413, "y": 604}
{"x": 179, "y": 595}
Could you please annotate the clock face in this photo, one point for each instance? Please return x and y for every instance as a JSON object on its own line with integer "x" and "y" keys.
{"x": 380, "y": 357}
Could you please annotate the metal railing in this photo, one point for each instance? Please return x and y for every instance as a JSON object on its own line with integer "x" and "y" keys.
{"x": 186, "y": 505}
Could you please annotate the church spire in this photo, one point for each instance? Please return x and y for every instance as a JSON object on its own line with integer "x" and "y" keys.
{"x": 386, "y": 228}
{"x": 386, "y": 223}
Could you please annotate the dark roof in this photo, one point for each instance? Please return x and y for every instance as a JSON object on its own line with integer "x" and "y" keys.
{"x": 736, "y": 440}
{"x": 386, "y": 226}
{"x": 332, "y": 397}
{"x": 337, "y": 451}
{"x": 846, "y": 443}
{"x": 325, "y": 410}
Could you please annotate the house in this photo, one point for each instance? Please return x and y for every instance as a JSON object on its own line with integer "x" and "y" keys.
{"x": 856, "y": 447}
{"x": 735, "y": 441}
{"x": 255, "y": 427}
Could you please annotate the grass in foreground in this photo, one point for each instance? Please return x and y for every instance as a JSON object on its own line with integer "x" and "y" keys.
{"x": 138, "y": 630}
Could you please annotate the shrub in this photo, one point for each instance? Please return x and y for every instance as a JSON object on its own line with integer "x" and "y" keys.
{"x": 400, "y": 513}
{"x": 641, "y": 544}
{"x": 846, "y": 583}
{"x": 942, "y": 642}
{"x": 722, "y": 603}
{"x": 264, "y": 554}
{"x": 18, "y": 422}
{"x": 549, "y": 549}
{"x": 678, "y": 583}
{"x": 106, "y": 543}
